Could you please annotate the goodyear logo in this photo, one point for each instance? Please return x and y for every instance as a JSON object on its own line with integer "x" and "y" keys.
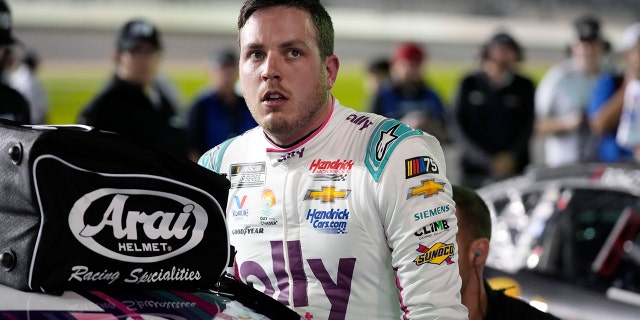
{"x": 327, "y": 194}
{"x": 419, "y": 166}
{"x": 427, "y": 189}
{"x": 437, "y": 254}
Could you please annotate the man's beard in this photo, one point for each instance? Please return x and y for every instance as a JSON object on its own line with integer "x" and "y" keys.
{"x": 309, "y": 110}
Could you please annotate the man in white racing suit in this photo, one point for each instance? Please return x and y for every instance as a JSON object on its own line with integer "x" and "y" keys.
{"x": 336, "y": 213}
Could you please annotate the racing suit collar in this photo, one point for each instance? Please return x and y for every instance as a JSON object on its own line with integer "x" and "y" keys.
{"x": 278, "y": 155}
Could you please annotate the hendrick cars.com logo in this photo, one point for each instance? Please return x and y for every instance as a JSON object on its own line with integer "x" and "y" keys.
{"x": 134, "y": 225}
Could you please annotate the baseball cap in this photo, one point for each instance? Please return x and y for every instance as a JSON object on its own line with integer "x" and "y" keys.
{"x": 136, "y": 31}
{"x": 502, "y": 38}
{"x": 6, "y": 36}
{"x": 223, "y": 57}
{"x": 630, "y": 36}
{"x": 587, "y": 28}
{"x": 408, "y": 51}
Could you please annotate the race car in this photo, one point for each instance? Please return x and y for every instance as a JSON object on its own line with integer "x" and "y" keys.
{"x": 570, "y": 236}
{"x": 229, "y": 299}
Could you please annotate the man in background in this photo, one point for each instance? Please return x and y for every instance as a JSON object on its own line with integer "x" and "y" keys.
{"x": 24, "y": 78}
{"x": 474, "y": 234}
{"x": 563, "y": 93}
{"x": 13, "y": 106}
{"x": 494, "y": 112}
{"x": 220, "y": 112}
{"x": 605, "y": 105}
{"x": 132, "y": 103}
{"x": 407, "y": 97}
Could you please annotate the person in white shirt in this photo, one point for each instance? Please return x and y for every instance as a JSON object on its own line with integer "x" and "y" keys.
{"x": 563, "y": 94}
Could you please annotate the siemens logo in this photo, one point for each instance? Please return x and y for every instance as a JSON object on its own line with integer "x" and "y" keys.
{"x": 431, "y": 212}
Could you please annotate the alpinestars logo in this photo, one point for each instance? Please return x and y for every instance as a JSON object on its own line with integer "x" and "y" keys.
{"x": 131, "y": 231}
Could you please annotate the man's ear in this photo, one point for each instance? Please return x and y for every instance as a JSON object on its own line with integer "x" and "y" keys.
{"x": 480, "y": 250}
{"x": 332, "y": 65}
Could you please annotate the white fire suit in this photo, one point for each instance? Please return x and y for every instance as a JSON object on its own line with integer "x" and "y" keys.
{"x": 355, "y": 222}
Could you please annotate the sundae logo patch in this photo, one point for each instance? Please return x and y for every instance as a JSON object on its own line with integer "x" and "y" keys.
{"x": 327, "y": 194}
{"x": 332, "y": 221}
{"x": 427, "y": 189}
{"x": 122, "y": 225}
{"x": 244, "y": 175}
{"x": 437, "y": 254}
{"x": 419, "y": 166}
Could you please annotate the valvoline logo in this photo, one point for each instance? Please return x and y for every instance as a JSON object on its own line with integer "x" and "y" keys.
{"x": 135, "y": 225}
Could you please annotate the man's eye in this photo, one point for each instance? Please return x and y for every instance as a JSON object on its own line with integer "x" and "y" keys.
{"x": 256, "y": 55}
{"x": 294, "y": 53}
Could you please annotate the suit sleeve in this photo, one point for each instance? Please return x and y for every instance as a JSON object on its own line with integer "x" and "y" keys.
{"x": 418, "y": 212}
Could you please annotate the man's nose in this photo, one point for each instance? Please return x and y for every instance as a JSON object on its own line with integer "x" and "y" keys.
{"x": 271, "y": 70}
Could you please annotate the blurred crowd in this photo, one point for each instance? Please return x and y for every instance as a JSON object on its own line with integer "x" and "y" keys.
{"x": 585, "y": 108}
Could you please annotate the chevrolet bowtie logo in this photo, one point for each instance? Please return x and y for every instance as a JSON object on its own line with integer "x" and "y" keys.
{"x": 427, "y": 189}
{"x": 327, "y": 194}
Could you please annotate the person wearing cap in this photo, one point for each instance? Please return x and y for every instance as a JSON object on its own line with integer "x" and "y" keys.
{"x": 563, "y": 94}
{"x": 13, "y": 106}
{"x": 132, "y": 103}
{"x": 407, "y": 97}
{"x": 494, "y": 114}
{"x": 606, "y": 103}
{"x": 220, "y": 112}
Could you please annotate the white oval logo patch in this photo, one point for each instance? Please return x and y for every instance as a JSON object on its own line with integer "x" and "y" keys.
{"x": 123, "y": 227}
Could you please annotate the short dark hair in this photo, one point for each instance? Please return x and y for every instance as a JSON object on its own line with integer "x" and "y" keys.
{"x": 473, "y": 213}
{"x": 319, "y": 15}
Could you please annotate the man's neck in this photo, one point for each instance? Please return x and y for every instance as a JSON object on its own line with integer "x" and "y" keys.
{"x": 291, "y": 144}
{"x": 475, "y": 299}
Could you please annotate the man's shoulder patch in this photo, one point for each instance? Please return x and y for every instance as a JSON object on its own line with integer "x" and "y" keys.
{"x": 384, "y": 139}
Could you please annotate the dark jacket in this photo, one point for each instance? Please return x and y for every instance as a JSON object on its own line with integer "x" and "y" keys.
{"x": 492, "y": 119}
{"x": 500, "y": 306}
{"x": 13, "y": 106}
{"x": 124, "y": 108}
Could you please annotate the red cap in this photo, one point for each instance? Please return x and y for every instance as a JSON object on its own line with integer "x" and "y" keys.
{"x": 408, "y": 51}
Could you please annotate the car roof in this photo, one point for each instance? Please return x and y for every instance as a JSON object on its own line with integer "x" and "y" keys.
{"x": 611, "y": 176}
